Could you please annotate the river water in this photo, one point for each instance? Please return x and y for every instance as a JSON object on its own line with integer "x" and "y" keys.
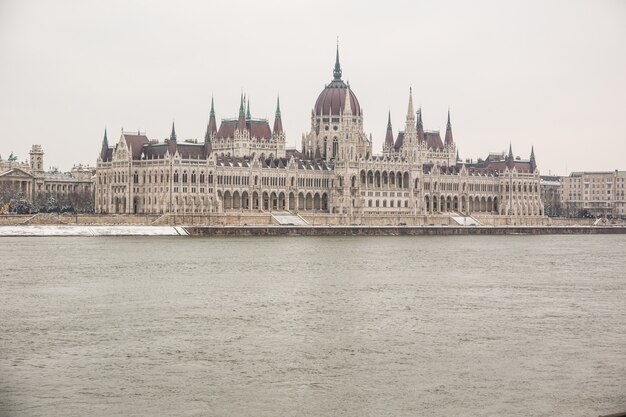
{"x": 313, "y": 326}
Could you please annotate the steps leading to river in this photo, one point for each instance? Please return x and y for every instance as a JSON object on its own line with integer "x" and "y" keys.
{"x": 462, "y": 220}
{"x": 285, "y": 218}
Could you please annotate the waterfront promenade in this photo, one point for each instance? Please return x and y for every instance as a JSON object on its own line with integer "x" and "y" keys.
{"x": 268, "y": 224}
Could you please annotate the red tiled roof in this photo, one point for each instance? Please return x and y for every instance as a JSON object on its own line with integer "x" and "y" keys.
{"x": 155, "y": 151}
{"x": 259, "y": 129}
{"x": 332, "y": 100}
{"x": 136, "y": 142}
{"x": 399, "y": 141}
{"x": 191, "y": 151}
{"x": 433, "y": 140}
{"x": 227, "y": 129}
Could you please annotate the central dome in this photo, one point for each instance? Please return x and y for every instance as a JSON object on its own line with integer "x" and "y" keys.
{"x": 332, "y": 100}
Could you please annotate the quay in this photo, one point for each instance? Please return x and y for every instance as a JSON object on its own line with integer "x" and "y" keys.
{"x": 398, "y": 230}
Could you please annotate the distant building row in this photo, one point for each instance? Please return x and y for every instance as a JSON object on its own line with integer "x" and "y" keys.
{"x": 26, "y": 187}
{"x": 585, "y": 194}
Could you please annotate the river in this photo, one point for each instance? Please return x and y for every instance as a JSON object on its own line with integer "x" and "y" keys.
{"x": 313, "y": 326}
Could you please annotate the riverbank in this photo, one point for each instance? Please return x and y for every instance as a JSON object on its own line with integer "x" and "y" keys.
{"x": 288, "y": 230}
{"x": 294, "y": 224}
{"x": 401, "y": 230}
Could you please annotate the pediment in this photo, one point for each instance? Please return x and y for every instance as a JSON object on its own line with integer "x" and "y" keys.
{"x": 17, "y": 173}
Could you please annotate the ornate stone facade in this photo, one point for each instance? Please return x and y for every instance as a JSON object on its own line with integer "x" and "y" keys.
{"x": 30, "y": 182}
{"x": 243, "y": 166}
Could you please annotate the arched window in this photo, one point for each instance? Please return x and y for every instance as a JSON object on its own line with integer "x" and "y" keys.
{"x": 335, "y": 147}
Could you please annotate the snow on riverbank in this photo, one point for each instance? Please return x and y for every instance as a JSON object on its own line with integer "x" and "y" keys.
{"x": 92, "y": 231}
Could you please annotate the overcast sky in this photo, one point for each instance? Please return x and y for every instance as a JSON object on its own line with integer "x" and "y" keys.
{"x": 546, "y": 73}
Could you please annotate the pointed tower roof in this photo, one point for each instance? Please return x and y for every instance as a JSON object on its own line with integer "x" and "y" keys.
{"x": 318, "y": 154}
{"x": 389, "y": 136}
{"x": 248, "y": 109}
{"x": 347, "y": 108}
{"x": 510, "y": 162}
{"x": 449, "y": 140}
{"x": 420, "y": 126}
{"x": 278, "y": 123}
{"x": 105, "y": 146}
{"x": 241, "y": 123}
{"x": 212, "y": 126}
{"x": 173, "y": 134}
{"x": 337, "y": 70}
{"x": 533, "y": 163}
{"x": 241, "y": 106}
{"x": 410, "y": 114}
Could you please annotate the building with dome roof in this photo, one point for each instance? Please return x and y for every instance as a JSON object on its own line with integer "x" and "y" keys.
{"x": 243, "y": 166}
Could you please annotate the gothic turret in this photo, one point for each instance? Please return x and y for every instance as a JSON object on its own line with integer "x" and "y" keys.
{"x": 347, "y": 108}
{"x": 389, "y": 136}
{"x": 410, "y": 114}
{"x": 533, "y": 163}
{"x": 172, "y": 143}
{"x": 105, "y": 146}
{"x": 241, "y": 122}
{"x": 173, "y": 134}
{"x": 448, "y": 141}
{"x": 337, "y": 70}
{"x": 420, "y": 126}
{"x": 510, "y": 161}
{"x": 212, "y": 126}
{"x": 318, "y": 154}
{"x": 278, "y": 123}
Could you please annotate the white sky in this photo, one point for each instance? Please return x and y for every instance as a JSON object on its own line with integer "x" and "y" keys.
{"x": 546, "y": 73}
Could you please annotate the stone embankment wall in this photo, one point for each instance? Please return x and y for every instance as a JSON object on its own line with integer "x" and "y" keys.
{"x": 266, "y": 219}
{"x": 399, "y": 230}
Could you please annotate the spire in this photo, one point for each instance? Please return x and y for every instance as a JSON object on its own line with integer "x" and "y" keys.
{"x": 212, "y": 126}
{"x": 241, "y": 106}
{"x": 510, "y": 155}
{"x": 173, "y": 134}
{"x": 410, "y": 113}
{"x": 248, "y": 109}
{"x": 337, "y": 70}
{"x": 241, "y": 123}
{"x": 389, "y": 136}
{"x": 105, "y": 146}
{"x": 533, "y": 163}
{"x": 449, "y": 140}
{"x": 420, "y": 126}
{"x": 347, "y": 108}
{"x": 411, "y": 136}
{"x": 318, "y": 154}
{"x": 509, "y": 159}
{"x": 278, "y": 123}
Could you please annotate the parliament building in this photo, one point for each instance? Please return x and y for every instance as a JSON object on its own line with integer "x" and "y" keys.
{"x": 244, "y": 166}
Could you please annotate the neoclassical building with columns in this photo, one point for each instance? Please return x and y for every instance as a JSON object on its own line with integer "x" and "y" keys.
{"x": 243, "y": 166}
